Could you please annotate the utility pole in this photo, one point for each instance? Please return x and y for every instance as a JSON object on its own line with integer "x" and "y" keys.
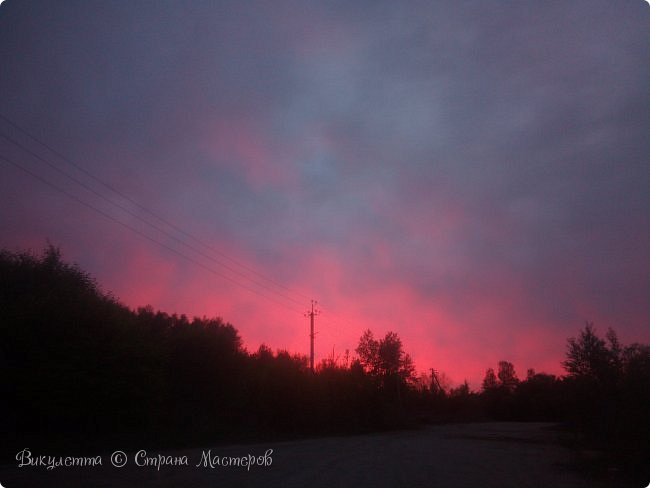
{"x": 311, "y": 314}
{"x": 435, "y": 384}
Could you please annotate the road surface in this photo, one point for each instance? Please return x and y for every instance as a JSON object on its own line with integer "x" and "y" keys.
{"x": 498, "y": 455}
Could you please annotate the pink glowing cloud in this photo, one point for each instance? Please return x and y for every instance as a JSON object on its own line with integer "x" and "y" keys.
{"x": 417, "y": 169}
{"x": 238, "y": 145}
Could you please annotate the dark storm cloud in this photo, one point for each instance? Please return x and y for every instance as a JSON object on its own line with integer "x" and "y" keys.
{"x": 483, "y": 163}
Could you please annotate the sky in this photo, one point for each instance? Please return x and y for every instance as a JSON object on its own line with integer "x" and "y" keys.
{"x": 473, "y": 176}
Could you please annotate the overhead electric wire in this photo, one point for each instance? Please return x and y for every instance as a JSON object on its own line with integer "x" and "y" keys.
{"x": 341, "y": 322}
{"x": 147, "y": 210}
{"x": 111, "y": 188}
{"x": 153, "y": 225}
{"x": 142, "y": 234}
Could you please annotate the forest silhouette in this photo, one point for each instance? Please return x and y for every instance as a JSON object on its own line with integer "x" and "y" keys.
{"x": 82, "y": 369}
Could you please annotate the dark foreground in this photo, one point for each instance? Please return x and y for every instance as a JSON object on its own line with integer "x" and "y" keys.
{"x": 463, "y": 455}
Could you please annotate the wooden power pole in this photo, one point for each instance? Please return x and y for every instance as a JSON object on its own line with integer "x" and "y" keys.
{"x": 311, "y": 314}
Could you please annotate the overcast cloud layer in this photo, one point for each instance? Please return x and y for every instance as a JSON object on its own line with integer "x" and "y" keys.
{"x": 472, "y": 175}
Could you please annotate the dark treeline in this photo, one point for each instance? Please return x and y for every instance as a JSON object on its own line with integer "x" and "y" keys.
{"x": 78, "y": 367}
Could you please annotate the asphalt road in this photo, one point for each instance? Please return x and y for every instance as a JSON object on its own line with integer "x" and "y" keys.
{"x": 463, "y": 455}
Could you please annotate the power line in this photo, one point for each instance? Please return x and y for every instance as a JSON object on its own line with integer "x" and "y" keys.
{"x": 158, "y": 228}
{"x": 162, "y": 220}
{"x": 145, "y": 209}
{"x": 142, "y": 234}
{"x": 341, "y": 322}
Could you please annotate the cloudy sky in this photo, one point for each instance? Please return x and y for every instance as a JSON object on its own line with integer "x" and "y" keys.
{"x": 474, "y": 176}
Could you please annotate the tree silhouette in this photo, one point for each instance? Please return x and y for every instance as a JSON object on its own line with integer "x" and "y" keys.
{"x": 368, "y": 351}
{"x": 385, "y": 358}
{"x": 590, "y": 357}
{"x": 490, "y": 380}
{"x": 507, "y": 376}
